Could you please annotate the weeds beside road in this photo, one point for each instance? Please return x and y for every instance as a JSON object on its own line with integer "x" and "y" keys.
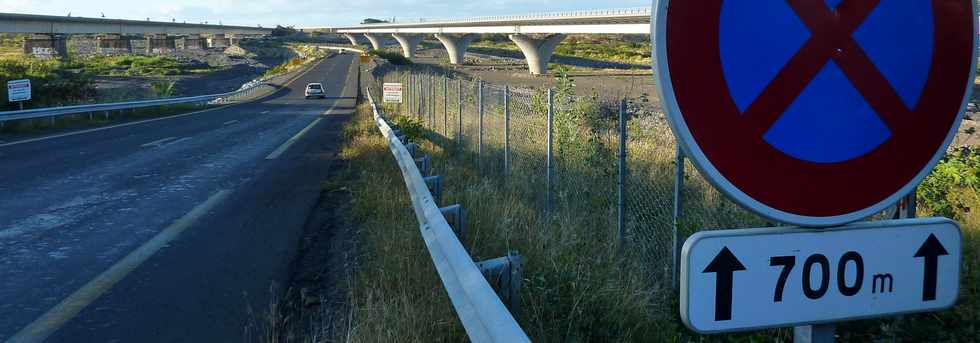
{"x": 576, "y": 288}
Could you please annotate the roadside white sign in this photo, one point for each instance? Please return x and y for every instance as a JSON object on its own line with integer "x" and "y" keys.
{"x": 18, "y": 90}
{"x": 750, "y": 279}
{"x": 393, "y": 93}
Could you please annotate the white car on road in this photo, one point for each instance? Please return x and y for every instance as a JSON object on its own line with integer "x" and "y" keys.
{"x": 315, "y": 90}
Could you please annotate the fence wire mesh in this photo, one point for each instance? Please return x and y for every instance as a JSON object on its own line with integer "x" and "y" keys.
{"x": 502, "y": 133}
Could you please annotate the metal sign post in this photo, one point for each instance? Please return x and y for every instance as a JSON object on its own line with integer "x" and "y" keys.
{"x": 809, "y": 112}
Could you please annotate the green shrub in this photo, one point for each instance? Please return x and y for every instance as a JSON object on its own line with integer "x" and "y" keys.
{"x": 941, "y": 191}
{"x": 411, "y": 127}
{"x": 52, "y": 84}
{"x": 392, "y": 57}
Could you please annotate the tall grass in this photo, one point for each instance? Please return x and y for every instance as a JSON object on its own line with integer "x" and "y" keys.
{"x": 603, "y": 48}
{"x": 576, "y": 286}
{"x": 131, "y": 65}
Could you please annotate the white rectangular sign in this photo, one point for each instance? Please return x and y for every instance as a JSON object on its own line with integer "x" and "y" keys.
{"x": 393, "y": 93}
{"x": 18, "y": 90}
{"x": 739, "y": 280}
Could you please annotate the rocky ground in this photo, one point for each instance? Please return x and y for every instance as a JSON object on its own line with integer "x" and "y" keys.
{"x": 234, "y": 66}
{"x": 503, "y": 67}
{"x": 608, "y": 79}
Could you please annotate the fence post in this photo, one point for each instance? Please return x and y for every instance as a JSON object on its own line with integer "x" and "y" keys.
{"x": 479, "y": 152}
{"x": 550, "y": 155}
{"x": 409, "y": 83}
{"x": 445, "y": 105}
{"x": 432, "y": 102}
{"x": 678, "y": 213}
{"x": 459, "y": 118}
{"x": 421, "y": 104}
{"x": 506, "y": 131}
{"x": 622, "y": 177}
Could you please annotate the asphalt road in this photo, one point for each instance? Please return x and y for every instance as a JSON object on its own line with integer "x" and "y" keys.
{"x": 165, "y": 231}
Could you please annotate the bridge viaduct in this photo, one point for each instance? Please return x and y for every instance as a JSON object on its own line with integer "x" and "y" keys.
{"x": 536, "y": 35}
{"x": 48, "y": 34}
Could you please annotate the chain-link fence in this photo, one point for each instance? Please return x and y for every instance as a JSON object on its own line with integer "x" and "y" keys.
{"x": 562, "y": 153}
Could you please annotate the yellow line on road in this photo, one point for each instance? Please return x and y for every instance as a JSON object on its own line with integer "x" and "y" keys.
{"x": 55, "y": 318}
{"x": 285, "y": 146}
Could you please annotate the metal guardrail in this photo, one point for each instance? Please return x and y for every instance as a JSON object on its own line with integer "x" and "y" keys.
{"x": 60, "y": 111}
{"x": 482, "y": 313}
{"x": 246, "y": 90}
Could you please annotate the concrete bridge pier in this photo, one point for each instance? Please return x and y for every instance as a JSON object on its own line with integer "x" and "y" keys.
{"x": 409, "y": 43}
{"x": 160, "y": 44}
{"x": 352, "y": 39}
{"x": 537, "y": 51}
{"x": 114, "y": 44}
{"x": 377, "y": 42}
{"x": 234, "y": 40}
{"x": 218, "y": 41}
{"x": 456, "y": 46}
{"x": 193, "y": 42}
{"x": 46, "y": 46}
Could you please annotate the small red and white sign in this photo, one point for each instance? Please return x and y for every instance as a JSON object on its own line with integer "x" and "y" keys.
{"x": 393, "y": 93}
{"x": 18, "y": 90}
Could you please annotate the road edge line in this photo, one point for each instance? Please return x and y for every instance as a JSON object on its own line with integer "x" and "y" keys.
{"x": 52, "y": 320}
{"x": 285, "y": 146}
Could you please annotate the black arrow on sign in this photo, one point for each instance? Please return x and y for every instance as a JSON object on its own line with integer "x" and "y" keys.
{"x": 930, "y": 250}
{"x": 724, "y": 266}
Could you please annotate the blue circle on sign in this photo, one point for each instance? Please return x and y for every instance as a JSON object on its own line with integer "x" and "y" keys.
{"x": 830, "y": 121}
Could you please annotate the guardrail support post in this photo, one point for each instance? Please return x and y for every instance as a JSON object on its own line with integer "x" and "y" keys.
{"x": 456, "y": 216}
{"x": 550, "y": 155}
{"x": 412, "y": 148}
{"x": 435, "y": 187}
{"x": 507, "y": 272}
{"x": 423, "y": 164}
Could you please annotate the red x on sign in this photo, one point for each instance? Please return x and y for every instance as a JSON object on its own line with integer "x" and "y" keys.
{"x": 807, "y": 119}
{"x": 831, "y": 40}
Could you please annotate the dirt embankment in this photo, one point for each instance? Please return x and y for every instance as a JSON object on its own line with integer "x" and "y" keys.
{"x": 232, "y": 67}
{"x": 611, "y": 80}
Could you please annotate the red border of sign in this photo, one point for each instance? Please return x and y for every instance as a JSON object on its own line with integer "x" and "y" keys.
{"x": 708, "y": 126}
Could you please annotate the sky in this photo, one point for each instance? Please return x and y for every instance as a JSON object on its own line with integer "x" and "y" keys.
{"x": 300, "y": 14}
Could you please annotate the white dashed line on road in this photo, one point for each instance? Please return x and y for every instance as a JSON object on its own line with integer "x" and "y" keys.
{"x": 158, "y": 142}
